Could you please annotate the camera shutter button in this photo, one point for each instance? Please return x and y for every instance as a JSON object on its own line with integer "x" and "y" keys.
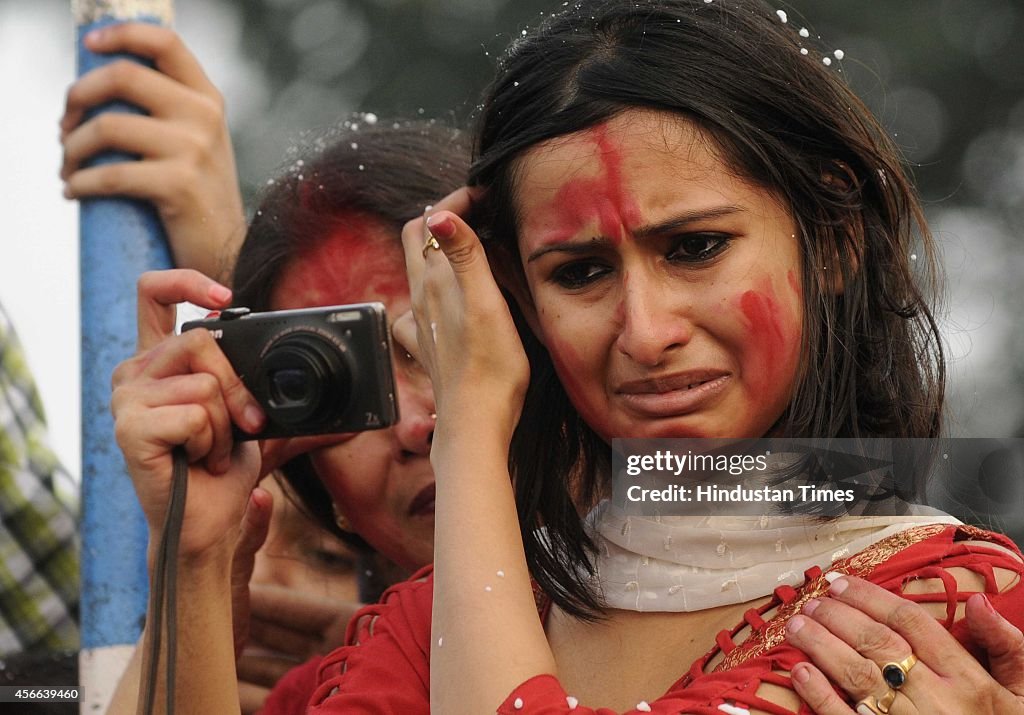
{"x": 233, "y": 313}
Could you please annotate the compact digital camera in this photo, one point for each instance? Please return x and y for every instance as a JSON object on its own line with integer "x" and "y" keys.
{"x": 314, "y": 370}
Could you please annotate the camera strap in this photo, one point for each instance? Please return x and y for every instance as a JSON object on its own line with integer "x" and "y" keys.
{"x": 163, "y": 588}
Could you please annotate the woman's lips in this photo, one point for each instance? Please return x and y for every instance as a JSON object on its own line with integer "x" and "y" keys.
{"x": 423, "y": 503}
{"x": 672, "y": 395}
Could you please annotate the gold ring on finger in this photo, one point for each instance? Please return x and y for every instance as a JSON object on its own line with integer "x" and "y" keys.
{"x": 896, "y": 673}
{"x": 876, "y": 706}
{"x": 430, "y": 243}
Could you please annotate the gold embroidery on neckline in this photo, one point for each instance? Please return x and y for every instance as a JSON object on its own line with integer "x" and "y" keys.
{"x": 860, "y": 564}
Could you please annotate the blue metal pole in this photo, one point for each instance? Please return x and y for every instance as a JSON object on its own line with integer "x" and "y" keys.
{"x": 120, "y": 238}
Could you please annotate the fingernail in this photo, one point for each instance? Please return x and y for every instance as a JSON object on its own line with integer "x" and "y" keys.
{"x": 795, "y": 624}
{"x": 93, "y": 37}
{"x": 838, "y": 584}
{"x": 253, "y": 416}
{"x": 220, "y": 293}
{"x": 66, "y": 191}
{"x": 801, "y": 674}
{"x": 441, "y": 225}
{"x": 811, "y": 606}
{"x": 976, "y": 599}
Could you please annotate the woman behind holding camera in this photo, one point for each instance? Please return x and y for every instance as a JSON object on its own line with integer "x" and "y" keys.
{"x": 325, "y": 233}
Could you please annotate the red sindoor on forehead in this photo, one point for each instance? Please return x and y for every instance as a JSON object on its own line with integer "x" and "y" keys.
{"x": 604, "y": 197}
{"x": 355, "y": 263}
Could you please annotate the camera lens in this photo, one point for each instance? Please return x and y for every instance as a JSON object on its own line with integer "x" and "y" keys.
{"x": 306, "y": 378}
{"x": 291, "y": 385}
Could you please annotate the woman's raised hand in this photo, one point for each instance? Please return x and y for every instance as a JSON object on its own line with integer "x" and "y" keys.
{"x": 181, "y": 390}
{"x": 187, "y": 166}
{"x": 466, "y": 337}
{"x": 864, "y": 627}
{"x": 467, "y": 340}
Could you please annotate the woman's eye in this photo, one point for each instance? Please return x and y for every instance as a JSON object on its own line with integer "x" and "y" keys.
{"x": 578, "y": 274}
{"x": 698, "y": 247}
{"x": 408, "y": 364}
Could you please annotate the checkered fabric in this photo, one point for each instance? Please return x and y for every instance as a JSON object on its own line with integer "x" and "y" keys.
{"x": 39, "y": 580}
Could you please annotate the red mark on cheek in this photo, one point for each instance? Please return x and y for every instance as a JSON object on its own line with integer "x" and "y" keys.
{"x": 359, "y": 261}
{"x": 794, "y": 283}
{"x": 604, "y": 198}
{"x": 770, "y": 363}
{"x": 765, "y": 324}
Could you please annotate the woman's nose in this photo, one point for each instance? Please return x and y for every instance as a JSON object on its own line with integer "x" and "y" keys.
{"x": 416, "y": 419}
{"x": 654, "y": 321}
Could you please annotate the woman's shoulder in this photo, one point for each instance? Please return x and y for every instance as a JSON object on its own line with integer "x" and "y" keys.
{"x": 942, "y": 552}
{"x": 385, "y": 658}
{"x": 405, "y": 607}
{"x": 939, "y": 566}
{"x": 412, "y": 597}
{"x": 921, "y": 545}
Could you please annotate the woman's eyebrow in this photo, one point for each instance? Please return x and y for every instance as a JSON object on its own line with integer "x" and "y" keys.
{"x": 683, "y": 220}
{"x": 565, "y": 247}
{"x": 674, "y": 224}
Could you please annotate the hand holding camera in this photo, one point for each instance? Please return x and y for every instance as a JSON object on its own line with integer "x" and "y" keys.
{"x": 181, "y": 390}
{"x": 304, "y": 372}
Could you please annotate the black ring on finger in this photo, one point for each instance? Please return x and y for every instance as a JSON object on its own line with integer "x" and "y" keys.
{"x": 896, "y": 673}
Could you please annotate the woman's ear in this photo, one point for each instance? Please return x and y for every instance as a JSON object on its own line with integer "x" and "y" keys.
{"x": 509, "y": 276}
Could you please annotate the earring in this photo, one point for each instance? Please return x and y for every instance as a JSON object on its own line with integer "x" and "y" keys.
{"x": 340, "y": 520}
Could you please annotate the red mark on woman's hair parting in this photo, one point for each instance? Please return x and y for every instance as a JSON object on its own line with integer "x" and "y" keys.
{"x": 359, "y": 258}
{"x": 604, "y": 197}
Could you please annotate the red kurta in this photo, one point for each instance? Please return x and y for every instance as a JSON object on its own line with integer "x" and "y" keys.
{"x": 384, "y": 669}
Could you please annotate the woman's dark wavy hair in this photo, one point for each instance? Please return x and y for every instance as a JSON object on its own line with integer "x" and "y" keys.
{"x": 872, "y": 358}
{"x": 385, "y": 172}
